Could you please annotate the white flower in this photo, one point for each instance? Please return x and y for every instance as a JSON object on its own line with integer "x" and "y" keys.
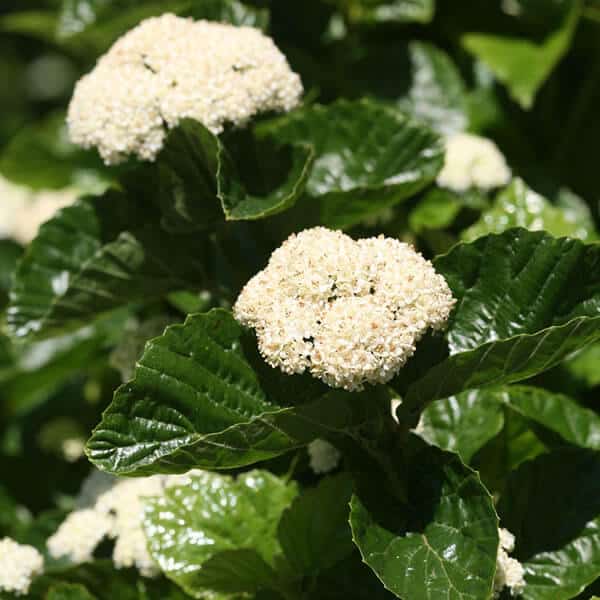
{"x": 23, "y": 210}
{"x": 509, "y": 571}
{"x": 19, "y": 564}
{"x": 350, "y": 312}
{"x": 169, "y": 68}
{"x": 79, "y": 535}
{"x": 324, "y": 457}
{"x": 472, "y": 162}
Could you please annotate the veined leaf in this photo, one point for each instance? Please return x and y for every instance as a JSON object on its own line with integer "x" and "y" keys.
{"x": 520, "y": 63}
{"x": 216, "y": 536}
{"x": 197, "y": 401}
{"x": 443, "y": 543}
{"x": 97, "y": 255}
{"x": 561, "y": 488}
{"x": 368, "y": 156}
{"x": 519, "y": 206}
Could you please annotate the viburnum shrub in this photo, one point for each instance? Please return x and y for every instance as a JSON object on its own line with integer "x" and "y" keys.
{"x": 314, "y": 310}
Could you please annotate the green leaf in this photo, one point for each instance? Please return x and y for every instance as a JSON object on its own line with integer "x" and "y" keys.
{"x": 69, "y": 591}
{"x": 383, "y": 11}
{"x": 520, "y": 63}
{"x": 103, "y": 582}
{"x": 40, "y": 155}
{"x": 443, "y": 543}
{"x": 519, "y": 206}
{"x": 196, "y": 401}
{"x": 368, "y": 156}
{"x": 97, "y": 255}
{"x": 437, "y": 93}
{"x": 314, "y": 532}
{"x": 437, "y": 210}
{"x": 463, "y": 423}
{"x": 216, "y": 536}
{"x": 561, "y": 489}
{"x": 518, "y": 282}
{"x": 584, "y": 365}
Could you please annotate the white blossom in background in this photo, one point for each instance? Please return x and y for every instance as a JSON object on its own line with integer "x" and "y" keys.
{"x": 349, "y": 312}
{"x": 324, "y": 457}
{"x": 509, "y": 571}
{"x": 23, "y": 210}
{"x": 472, "y": 162}
{"x": 169, "y": 68}
{"x": 79, "y": 535}
{"x": 19, "y": 565}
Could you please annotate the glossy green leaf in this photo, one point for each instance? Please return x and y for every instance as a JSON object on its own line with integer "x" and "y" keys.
{"x": 383, "y": 11}
{"x": 584, "y": 365}
{"x": 97, "y": 255}
{"x": 463, "y": 423}
{"x": 41, "y": 156}
{"x": 520, "y": 206}
{"x": 561, "y": 489}
{"x": 368, "y": 156}
{"x": 443, "y": 543}
{"x": 216, "y": 536}
{"x": 523, "y": 64}
{"x": 314, "y": 532}
{"x": 69, "y": 591}
{"x": 437, "y": 210}
{"x": 197, "y": 401}
{"x": 437, "y": 93}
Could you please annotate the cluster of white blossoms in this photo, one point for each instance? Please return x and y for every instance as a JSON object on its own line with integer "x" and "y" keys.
{"x": 509, "y": 571}
{"x": 324, "y": 457}
{"x": 114, "y": 512}
{"x": 19, "y": 565}
{"x": 472, "y": 162}
{"x": 169, "y": 68}
{"x": 23, "y": 210}
{"x": 350, "y": 312}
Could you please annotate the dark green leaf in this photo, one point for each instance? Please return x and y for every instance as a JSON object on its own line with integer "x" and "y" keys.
{"x": 519, "y": 206}
{"x": 462, "y": 423}
{"x": 368, "y": 156}
{"x": 524, "y": 64}
{"x": 69, "y": 591}
{"x": 314, "y": 532}
{"x": 218, "y": 535}
{"x": 97, "y": 255}
{"x": 443, "y": 543}
{"x": 437, "y": 92}
{"x": 552, "y": 506}
{"x": 381, "y": 11}
{"x": 197, "y": 401}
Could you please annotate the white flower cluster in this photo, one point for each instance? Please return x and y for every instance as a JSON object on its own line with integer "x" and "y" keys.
{"x": 350, "y": 312}
{"x": 114, "y": 513}
{"x": 472, "y": 162}
{"x": 169, "y": 68}
{"x": 19, "y": 564}
{"x": 509, "y": 571}
{"x": 23, "y": 210}
{"x": 324, "y": 457}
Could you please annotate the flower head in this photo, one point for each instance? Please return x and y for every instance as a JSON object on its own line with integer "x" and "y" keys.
{"x": 169, "y": 68}
{"x": 324, "y": 457}
{"x": 509, "y": 571}
{"x": 472, "y": 162}
{"x": 349, "y": 312}
{"x": 19, "y": 564}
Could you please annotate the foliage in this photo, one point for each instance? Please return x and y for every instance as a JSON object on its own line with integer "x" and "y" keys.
{"x": 495, "y": 420}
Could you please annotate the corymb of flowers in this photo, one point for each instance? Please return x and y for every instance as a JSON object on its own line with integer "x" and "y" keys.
{"x": 169, "y": 68}
{"x": 349, "y": 312}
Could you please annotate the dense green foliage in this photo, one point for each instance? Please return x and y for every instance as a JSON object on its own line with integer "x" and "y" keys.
{"x": 498, "y": 423}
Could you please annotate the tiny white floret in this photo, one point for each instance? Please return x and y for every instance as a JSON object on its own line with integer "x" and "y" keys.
{"x": 349, "y": 312}
{"x": 472, "y": 162}
{"x": 509, "y": 571}
{"x": 19, "y": 565}
{"x": 169, "y": 68}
